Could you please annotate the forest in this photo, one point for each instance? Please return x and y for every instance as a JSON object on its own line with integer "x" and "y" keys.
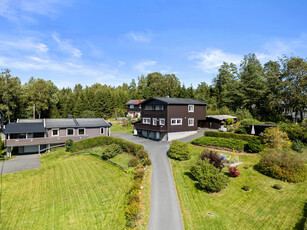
{"x": 250, "y": 90}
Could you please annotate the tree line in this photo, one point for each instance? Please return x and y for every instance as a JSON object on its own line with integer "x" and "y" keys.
{"x": 261, "y": 91}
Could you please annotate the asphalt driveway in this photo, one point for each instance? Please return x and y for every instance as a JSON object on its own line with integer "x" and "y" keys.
{"x": 164, "y": 210}
{"x": 21, "y": 163}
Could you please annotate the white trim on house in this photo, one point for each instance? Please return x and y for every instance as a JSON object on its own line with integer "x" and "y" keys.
{"x": 146, "y": 120}
{"x": 176, "y": 121}
{"x": 191, "y": 108}
{"x": 73, "y": 131}
{"x": 79, "y": 132}
{"x": 161, "y": 121}
{"x": 191, "y": 122}
{"x": 58, "y": 131}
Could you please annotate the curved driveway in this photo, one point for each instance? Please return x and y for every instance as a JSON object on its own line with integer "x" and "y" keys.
{"x": 164, "y": 209}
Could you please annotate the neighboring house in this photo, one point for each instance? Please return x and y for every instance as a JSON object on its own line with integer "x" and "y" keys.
{"x": 217, "y": 121}
{"x": 168, "y": 119}
{"x": 134, "y": 108}
{"x": 39, "y": 135}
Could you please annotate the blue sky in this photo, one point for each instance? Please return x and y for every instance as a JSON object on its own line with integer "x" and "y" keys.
{"x": 111, "y": 42}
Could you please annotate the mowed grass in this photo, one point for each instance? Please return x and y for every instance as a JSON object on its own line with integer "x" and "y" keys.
{"x": 261, "y": 208}
{"x": 117, "y": 127}
{"x": 68, "y": 192}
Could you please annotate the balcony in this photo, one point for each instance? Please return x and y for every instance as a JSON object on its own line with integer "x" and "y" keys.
{"x": 156, "y": 128}
{"x": 42, "y": 141}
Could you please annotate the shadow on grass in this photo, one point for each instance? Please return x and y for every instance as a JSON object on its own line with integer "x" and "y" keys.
{"x": 302, "y": 224}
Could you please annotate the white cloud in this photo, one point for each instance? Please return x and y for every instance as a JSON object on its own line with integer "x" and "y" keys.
{"x": 140, "y": 37}
{"x": 15, "y": 10}
{"x": 210, "y": 60}
{"x": 65, "y": 46}
{"x": 27, "y": 44}
{"x": 145, "y": 67}
{"x": 121, "y": 63}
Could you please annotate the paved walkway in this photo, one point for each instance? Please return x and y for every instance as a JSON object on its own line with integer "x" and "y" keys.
{"x": 21, "y": 163}
{"x": 164, "y": 210}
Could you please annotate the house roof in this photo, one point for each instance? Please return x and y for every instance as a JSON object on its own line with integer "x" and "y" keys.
{"x": 135, "y": 102}
{"x": 24, "y": 128}
{"x": 221, "y": 117}
{"x": 175, "y": 101}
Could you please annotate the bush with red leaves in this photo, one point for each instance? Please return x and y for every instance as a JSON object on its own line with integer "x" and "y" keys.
{"x": 233, "y": 171}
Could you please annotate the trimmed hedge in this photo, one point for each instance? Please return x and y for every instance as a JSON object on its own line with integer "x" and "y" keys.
{"x": 243, "y": 137}
{"x": 221, "y": 142}
{"x": 127, "y": 146}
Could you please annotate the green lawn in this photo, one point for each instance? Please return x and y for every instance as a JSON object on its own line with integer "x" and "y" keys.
{"x": 232, "y": 208}
{"x": 118, "y": 128}
{"x": 68, "y": 192}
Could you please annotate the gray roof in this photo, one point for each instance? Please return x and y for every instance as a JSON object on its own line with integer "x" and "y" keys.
{"x": 24, "y": 128}
{"x": 176, "y": 101}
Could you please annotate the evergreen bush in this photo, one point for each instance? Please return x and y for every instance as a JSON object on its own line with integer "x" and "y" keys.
{"x": 297, "y": 146}
{"x": 254, "y": 146}
{"x": 111, "y": 151}
{"x": 133, "y": 162}
{"x": 179, "y": 151}
{"x": 69, "y": 145}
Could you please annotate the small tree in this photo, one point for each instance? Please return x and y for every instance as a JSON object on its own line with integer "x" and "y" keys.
{"x": 111, "y": 151}
{"x": 179, "y": 151}
{"x": 229, "y": 121}
{"x": 274, "y": 138}
{"x": 69, "y": 145}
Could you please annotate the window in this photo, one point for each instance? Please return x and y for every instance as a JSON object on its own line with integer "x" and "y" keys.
{"x": 69, "y": 132}
{"x": 176, "y": 121}
{"x": 131, "y": 106}
{"x": 146, "y": 121}
{"x": 148, "y": 107}
{"x": 159, "y": 107}
{"x": 162, "y": 121}
{"x": 81, "y": 131}
{"x": 101, "y": 130}
{"x": 191, "y": 108}
{"x": 191, "y": 122}
{"x": 154, "y": 121}
{"x": 54, "y": 132}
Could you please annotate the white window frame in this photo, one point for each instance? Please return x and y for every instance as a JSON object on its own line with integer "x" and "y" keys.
{"x": 103, "y": 130}
{"x": 55, "y": 135}
{"x": 191, "y": 119}
{"x": 192, "y": 108}
{"x": 178, "y": 121}
{"x": 161, "y": 120}
{"x": 154, "y": 121}
{"x": 81, "y": 134}
{"x": 73, "y": 132}
{"x": 146, "y": 119}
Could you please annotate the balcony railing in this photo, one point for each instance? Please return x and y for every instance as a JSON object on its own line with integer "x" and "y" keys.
{"x": 157, "y": 128}
{"x": 43, "y": 141}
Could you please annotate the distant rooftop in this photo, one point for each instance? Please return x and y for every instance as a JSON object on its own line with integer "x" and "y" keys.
{"x": 177, "y": 101}
{"x": 221, "y": 117}
{"x": 135, "y": 102}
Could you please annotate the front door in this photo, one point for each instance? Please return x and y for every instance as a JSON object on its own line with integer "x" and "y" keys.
{"x": 157, "y": 136}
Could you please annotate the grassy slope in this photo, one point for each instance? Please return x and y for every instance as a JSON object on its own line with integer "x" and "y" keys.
{"x": 261, "y": 208}
{"x": 73, "y": 192}
{"x": 118, "y": 128}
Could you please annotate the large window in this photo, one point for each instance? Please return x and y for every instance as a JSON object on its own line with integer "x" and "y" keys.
{"x": 154, "y": 121}
{"x": 148, "y": 107}
{"x": 159, "y": 107}
{"x": 162, "y": 121}
{"x": 81, "y": 131}
{"x": 191, "y": 108}
{"x": 176, "y": 121}
{"x": 54, "y": 132}
{"x": 191, "y": 122}
{"x": 146, "y": 121}
{"x": 69, "y": 132}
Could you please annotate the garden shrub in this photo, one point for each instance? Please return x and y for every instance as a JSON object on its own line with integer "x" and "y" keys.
{"x": 1, "y": 144}
{"x": 249, "y": 121}
{"x": 231, "y": 135}
{"x": 111, "y": 151}
{"x": 131, "y": 214}
{"x": 254, "y": 146}
{"x": 127, "y": 146}
{"x": 136, "y": 185}
{"x": 246, "y": 188}
{"x": 133, "y": 162}
{"x": 229, "y": 121}
{"x": 134, "y": 196}
{"x": 221, "y": 142}
{"x": 241, "y": 130}
{"x": 283, "y": 166}
{"x": 214, "y": 158}
{"x": 274, "y": 138}
{"x": 69, "y": 145}
{"x": 179, "y": 151}
{"x": 295, "y": 131}
{"x": 146, "y": 162}
{"x": 139, "y": 174}
{"x": 277, "y": 186}
{"x": 233, "y": 171}
{"x": 297, "y": 146}
{"x": 142, "y": 154}
{"x": 208, "y": 177}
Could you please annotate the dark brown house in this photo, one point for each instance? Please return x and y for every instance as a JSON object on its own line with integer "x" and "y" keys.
{"x": 168, "y": 119}
{"x": 134, "y": 108}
